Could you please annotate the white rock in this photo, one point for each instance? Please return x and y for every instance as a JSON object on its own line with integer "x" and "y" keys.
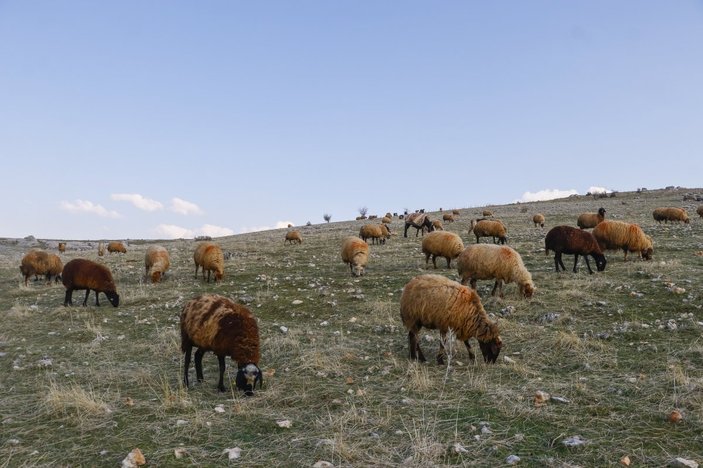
{"x": 683, "y": 462}
{"x": 284, "y": 423}
{"x": 574, "y": 441}
{"x": 181, "y": 422}
{"x": 458, "y": 448}
{"x": 324, "y": 324}
{"x": 297, "y": 302}
{"x": 512, "y": 460}
{"x": 283, "y": 329}
{"x": 180, "y": 452}
{"x": 508, "y": 360}
{"x": 559, "y": 399}
{"x": 322, "y": 464}
{"x": 220, "y": 409}
{"x": 233, "y": 453}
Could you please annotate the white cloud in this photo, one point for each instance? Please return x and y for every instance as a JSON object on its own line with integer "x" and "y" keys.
{"x": 171, "y": 231}
{"x": 85, "y": 206}
{"x": 214, "y": 231}
{"x": 598, "y": 190}
{"x": 548, "y": 194}
{"x": 138, "y": 200}
{"x": 279, "y": 225}
{"x": 184, "y": 207}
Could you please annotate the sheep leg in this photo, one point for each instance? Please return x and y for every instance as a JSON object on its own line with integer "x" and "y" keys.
{"x": 499, "y": 287}
{"x": 472, "y": 356}
{"x": 449, "y": 262}
{"x": 625, "y": 250}
{"x": 442, "y": 352}
{"x": 199, "y": 364}
{"x": 427, "y": 259}
{"x": 68, "y": 299}
{"x": 415, "y": 351}
{"x": 208, "y": 275}
{"x": 588, "y": 265}
{"x": 85, "y": 301}
{"x": 221, "y": 383}
{"x": 186, "y": 364}
{"x": 434, "y": 261}
{"x": 196, "y": 271}
{"x": 473, "y": 283}
{"x": 558, "y": 262}
{"x": 576, "y": 261}
{"x": 405, "y": 234}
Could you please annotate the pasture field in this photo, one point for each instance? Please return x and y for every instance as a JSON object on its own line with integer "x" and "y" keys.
{"x": 621, "y": 349}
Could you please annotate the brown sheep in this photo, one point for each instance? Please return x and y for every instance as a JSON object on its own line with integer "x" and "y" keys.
{"x": 455, "y": 213}
{"x": 590, "y": 220}
{"x": 156, "y": 262}
{"x": 700, "y": 211}
{"x": 448, "y": 217}
{"x": 615, "y": 235}
{"x": 209, "y": 256}
{"x": 437, "y": 225}
{"x": 441, "y": 244}
{"x": 38, "y": 262}
{"x": 79, "y": 274}
{"x": 387, "y": 220}
{"x": 498, "y": 262}
{"x": 489, "y": 228}
{"x": 355, "y": 252}
{"x": 293, "y": 237}
{"x": 101, "y": 249}
{"x": 375, "y": 232}
{"x": 62, "y": 247}
{"x": 116, "y": 246}
{"x": 487, "y": 213}
{"x": 538, "y": 219}
{"x": 670, "y": 214}
{"x": 570, "y": 240}
{"x": 214, "y": 323}
{"x": 436, "y": 302}
{"x": 418, "y": 221}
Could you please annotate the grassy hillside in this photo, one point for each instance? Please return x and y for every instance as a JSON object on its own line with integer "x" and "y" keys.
{"x": 86, "y": 385}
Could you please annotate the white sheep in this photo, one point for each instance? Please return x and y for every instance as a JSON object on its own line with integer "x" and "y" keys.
{"x": 436, "y": 302}
{"x": 498, "y": 262}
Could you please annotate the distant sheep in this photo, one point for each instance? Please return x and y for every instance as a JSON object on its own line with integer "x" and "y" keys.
{"x": 209, "y": 256}
{"x": 497, "y": 262}
{"x": 418, "y": 221}
{"x": 156, "y": 262}
{"x": 441, "y": 244}
{"x": 38, "y": 262}
{"x": 448, "y": 217}
{"x": 538, "y": 219}
{"x": 700, "y": 211}
{"x": 293, "y": 237}
{"x": 214, "y": 323}
{"x": 62, "y": 247}
{"x": 355, "y": 252}
{"x": 570, "y": 240}
{"x": 436, "y": 302}
{"x": 116, "y": 246}
{"x": 375, "y": 232}
{"x": 80, "y": 274}
{"x": 455, "y": 213}
{"x": 489, "y": 228}
{"x": 670, "y": 214}
{"x": 487, "y": 213}
{"x": 615, "y": 235}
{"x": 387, "y": 220}
{"x": 437, "y": 225}
{"x": 590, "y": 220}
{"x": 101, "y": 249}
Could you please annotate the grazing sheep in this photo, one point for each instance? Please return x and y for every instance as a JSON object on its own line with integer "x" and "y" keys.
{"x": 700, "y": 211}
{"x": 209, "y": 256}
{"x": 62, "y": 247}
{"x": 293, "y": 237}
{"x": 487, "y": 213}
{"x": 359, "y": 218}
{"x": 448, "y": 217}
{"x": 455, "y": 213}
{"x": 116, "y": 246}
{"x": 386, "y": 220}
{"x": 441, "y": 244}
{"x": 489, "y": 228}
{"x": 156, "y": 262}
{"x": 570, "y": 240}
{"x": 375, "y": 232}
{"x": 498, "y": 262}
{"x": 538, "y": 219}
{"x": 214, "y": 323}
{"x": 418, "y": 221}
{"x": 590, "y": 220}
{"x": 436, "y": 302}
{"x": 615, "y": 235}
{"x": 355, "y": 252}
{"x": 101, "y": 249}
{"x": 38, "y": 262}
{"x": 437, "y": 225}
{"x": 670, "y": 214}
{"x": 79, "y": 274}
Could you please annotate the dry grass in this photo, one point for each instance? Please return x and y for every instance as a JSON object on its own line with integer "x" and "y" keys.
{"x": 84, "y": 386}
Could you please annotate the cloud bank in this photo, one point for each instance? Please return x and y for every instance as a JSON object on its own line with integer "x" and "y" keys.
{"x": 85, "y": 206}
{"x": 547, "y": 194}
{"x": 138, "y": 201}
{"x": 180, "y": 206}
{"x": 171, "y": 231}
{"x": 279, "y": 225}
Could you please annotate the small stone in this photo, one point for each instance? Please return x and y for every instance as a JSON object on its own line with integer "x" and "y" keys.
{"x": 559, "y": 399}
{"x": 541, "y": 398}
{"x": 13, "y": 441}
{"x": 625, "y": 461}
{"x": 458, "y": 448}
{"x": 486, "y": 430}
{"x": 508, "y": 360}
{"x": 133, "y": 459}
{"x": 297, "y": 302}
{"x": 180, "y": 452}
{"x": 675, "y": 416}
{"x": 574, "y": 441}
{"x": 181, "y": 422}
{"x": 284, "y": 423}
{"x": 233, "y": 453}
{"x": 283, "y": 329}
{"x": 324, "y": 323}
{"x": 684, "y": 463}
{"x": 220, "y": 409}
{"x": 322, "y": 464}
{"x": 512, "y": 460}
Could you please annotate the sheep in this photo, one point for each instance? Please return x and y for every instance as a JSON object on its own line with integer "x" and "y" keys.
{"x": 101, "y": 249}
{"x": 293, "y": 237}
{"x": 79, "y": 274}
{"x": 538, "y": 219}
{"x": 62, "y": 247}
{"x": 590, "y": 220}
{"x": 418, "y": 221}
{"x": 700, "y": 211}
{"x": 499, "y": 262}
{"x": 116, "y": 246}
{"x": 570, "y": 240}
{"x": 487, "y": 213}
{"x": 386, "y": 220}
{"x": 437, "y": 225}
{"x": 455, "y": 213}
{"x": 214, "y": 323}
{"x": 156, "y": 262}
{"x": 436, "y": 302}
{"x": 614, "y": 235}
{"x": 489, "y": 228}
{"x": 38, "y": 262}
{"x": 209, "y": 256}
{"x": 375, "y": 232}
{"x": 448, "y": 217}
{"x": 670, "y": 214}
{"x": 441, "y": 244}
{"x": 355, "y": 252}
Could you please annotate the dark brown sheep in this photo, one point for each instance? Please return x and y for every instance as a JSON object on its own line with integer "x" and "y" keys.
{"x": 85, "y": 274}
{"x": 214, "y": 323}
{"x": 418, "y": 221}
{"x": 569, "y": 240}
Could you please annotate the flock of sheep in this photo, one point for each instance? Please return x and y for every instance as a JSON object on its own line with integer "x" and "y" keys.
{"x": 214, "y": 323}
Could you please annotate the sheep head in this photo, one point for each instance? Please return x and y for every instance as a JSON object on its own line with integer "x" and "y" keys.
{"x": 647, "y": 253}
{"x": 527, "y": 290}
{"x": 114, "y": 298}
{"x": 247, "y": 376}
{"x": 600, "y": 261}
{"x": 491, "y": 349}
{"x": 156, "y": 277}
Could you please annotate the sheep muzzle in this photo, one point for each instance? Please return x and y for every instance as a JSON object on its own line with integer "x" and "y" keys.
{"x": 490, "y": 350}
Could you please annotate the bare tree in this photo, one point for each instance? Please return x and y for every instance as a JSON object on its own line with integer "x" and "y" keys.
{"x": 363, "y": 210}
{"x": 327, "y": 217}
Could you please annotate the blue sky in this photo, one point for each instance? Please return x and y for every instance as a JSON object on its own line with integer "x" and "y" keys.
{"x": 166, "y": 119}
